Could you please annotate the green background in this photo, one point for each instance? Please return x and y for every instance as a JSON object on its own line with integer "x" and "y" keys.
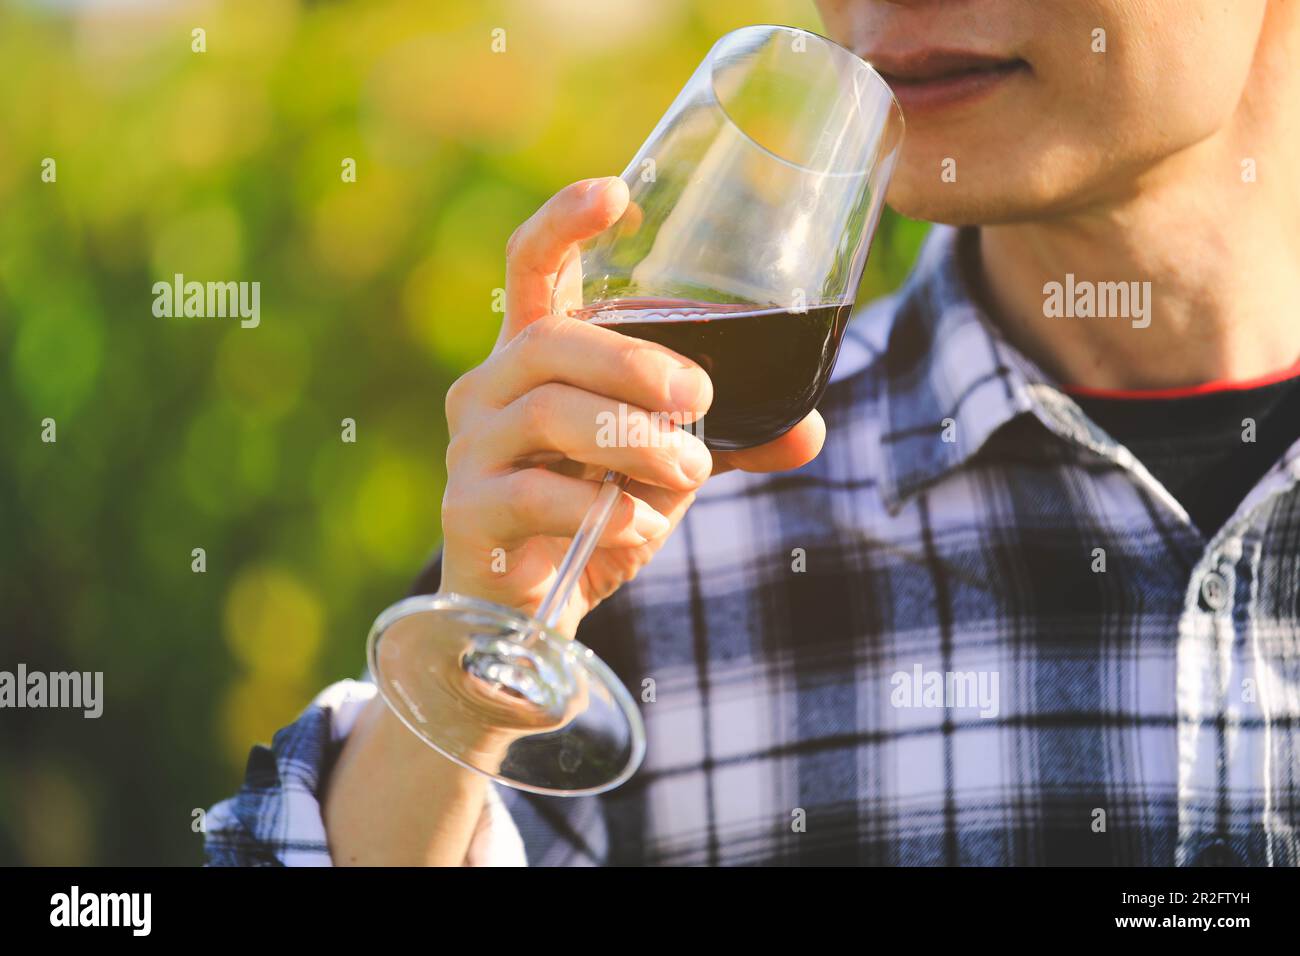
{"x": 175, "y": 434}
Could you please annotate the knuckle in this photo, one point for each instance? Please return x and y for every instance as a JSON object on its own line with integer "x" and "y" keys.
{"x": 538, "y": 408}
{"x": 525, "y": 493}
{"x": 540, "y": 334}
{"x": 517, "y": 238}
{"x": 529, "y": 347}
{"x": 531, "y": 226}
{"x": 642, "y": 362}
{"x": 459, "y": 398}
{"x": 457, "y": 452}
{"x": 454, "y": 509}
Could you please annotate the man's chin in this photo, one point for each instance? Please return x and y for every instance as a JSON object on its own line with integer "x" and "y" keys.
{"x": 966, "y": 204}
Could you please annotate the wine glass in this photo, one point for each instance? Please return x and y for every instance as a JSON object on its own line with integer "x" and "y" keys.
{"x": 752, "y": 207}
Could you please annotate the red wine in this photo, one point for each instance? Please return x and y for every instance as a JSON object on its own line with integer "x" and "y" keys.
{"x": 769, "y": 366}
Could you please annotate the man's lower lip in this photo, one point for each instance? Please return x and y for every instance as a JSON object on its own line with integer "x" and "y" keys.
{"x": 959, "y": 89}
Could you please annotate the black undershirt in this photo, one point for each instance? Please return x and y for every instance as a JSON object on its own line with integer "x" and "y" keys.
{"x": 1194, "y": 446}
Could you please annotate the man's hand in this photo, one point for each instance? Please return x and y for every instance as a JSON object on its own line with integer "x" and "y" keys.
{"x": 523, "y": 466}
{"x": 524, "y": 461}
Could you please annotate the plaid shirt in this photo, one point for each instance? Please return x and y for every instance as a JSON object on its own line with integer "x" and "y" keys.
{"x": 975, "y": 630}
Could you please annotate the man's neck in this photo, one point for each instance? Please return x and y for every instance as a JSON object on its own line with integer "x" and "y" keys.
{"x": 1222, "y": 256}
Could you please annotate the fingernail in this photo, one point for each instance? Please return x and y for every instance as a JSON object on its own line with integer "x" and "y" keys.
{"x": 695, "y": 462}
{"x": 647, "y": 522}
{"x": 684, "y": 387}
{"x": 596, "y": 187}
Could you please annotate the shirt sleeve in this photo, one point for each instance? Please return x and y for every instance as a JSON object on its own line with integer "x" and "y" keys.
{"x": 275, "y": 818}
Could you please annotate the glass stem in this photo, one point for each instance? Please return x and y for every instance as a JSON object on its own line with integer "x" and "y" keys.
{"x": 579, "y": 553}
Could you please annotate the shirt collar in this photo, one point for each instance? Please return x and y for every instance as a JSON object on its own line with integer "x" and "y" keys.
{"x": 950, "y": 380}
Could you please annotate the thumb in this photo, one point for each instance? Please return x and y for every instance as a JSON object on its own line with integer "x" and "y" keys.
{"x": 539, "y": 248}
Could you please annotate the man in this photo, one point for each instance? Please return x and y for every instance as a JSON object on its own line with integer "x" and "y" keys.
{"x": 1048, "y": 609}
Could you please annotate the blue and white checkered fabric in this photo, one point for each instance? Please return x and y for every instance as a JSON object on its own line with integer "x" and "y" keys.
{"x": 973, "y": 631}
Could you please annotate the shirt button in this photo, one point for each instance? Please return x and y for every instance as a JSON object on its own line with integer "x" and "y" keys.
{"x": 1214, "y": 591}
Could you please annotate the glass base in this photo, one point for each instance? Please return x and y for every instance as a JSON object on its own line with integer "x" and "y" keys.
{"x": 499, "y": 693}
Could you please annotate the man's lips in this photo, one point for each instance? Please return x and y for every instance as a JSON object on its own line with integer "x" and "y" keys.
{"x": 930, "y": 79}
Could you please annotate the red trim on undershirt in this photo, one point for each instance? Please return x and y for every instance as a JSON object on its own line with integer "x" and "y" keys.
{"x": 1188, "y": 391}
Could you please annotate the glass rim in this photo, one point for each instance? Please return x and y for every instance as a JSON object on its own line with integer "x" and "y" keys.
{"x": 872, "y": 72}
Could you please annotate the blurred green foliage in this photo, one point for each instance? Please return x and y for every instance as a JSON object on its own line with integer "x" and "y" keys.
{"x": 176, "y": 434}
